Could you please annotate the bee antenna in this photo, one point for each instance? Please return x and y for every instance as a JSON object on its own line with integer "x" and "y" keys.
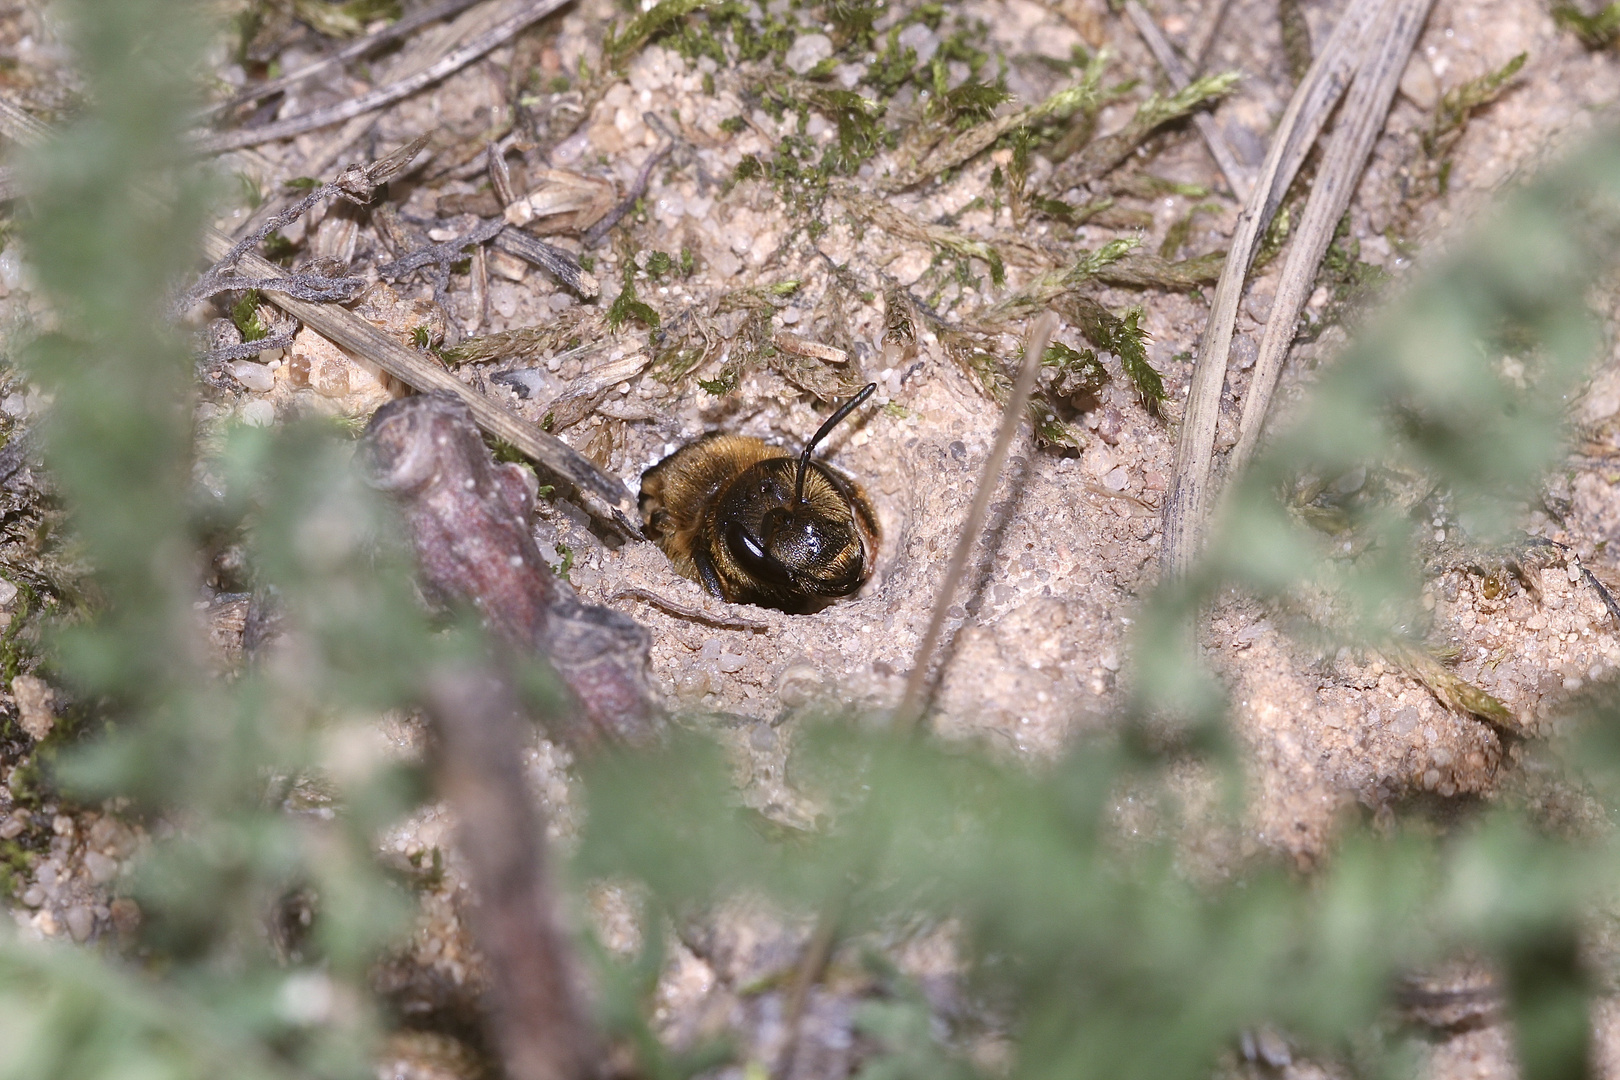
{"x": 821, "y": 433}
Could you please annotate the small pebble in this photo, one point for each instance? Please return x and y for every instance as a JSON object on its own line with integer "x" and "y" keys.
{"x": 12, "y": 827}
{"x": 808, "y": 50}
{"x": 102, "y": 869}
{"x": 33, "y": 896}
{"x": 1116, "y": 478}
{"x": 81, "y": 921}
{"x": 258, "y": 413}
{"x": 731, "y": 663}
{"x": 254, "y": 376}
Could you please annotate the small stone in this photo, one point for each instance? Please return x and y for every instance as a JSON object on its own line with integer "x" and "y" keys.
{"x": 13, "y": 826}
{"x": 33, "y": 896}
{"x": 1109, "y": 660}
{"x": 917, "y": 36}
{"x": 731, "y": 663}
{"x": 258, "y": 413}
{"x": 34, "y": 701}
{"x": 1418, "y": 84}
{"x": 81, "y": 922}
{"x": 8, "y": 593}
{"x": 45, "y": 922}
{"x": 807, "y": 51}
{"x": 257, "y": 377}
{"x": 126, "y": 916}
{"x": 1117, "y": 478}
{"x": 798, "y": 685}
{"x": 102, "y": 869}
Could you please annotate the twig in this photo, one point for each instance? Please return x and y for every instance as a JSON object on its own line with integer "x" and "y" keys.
{"x": 359, "y": 47}
{"x": 282, "y": 338}
{"x": 1236, "y": 175}
{"x": 818, "y": 951}
{"x": 468, "y": 521}
{"x": 357, "y": 184}
{"x": 539, "y": 1024}
{"x": 316, "y": 288}
{"x": 1204, "y": 36}
{"x": 553, "y": 260}
{"x": 692, "y": 614}
{"x": 439, "y": 254}
{"x": 595, "y": 234}
{"x": 1185, "y": 503}
{"x": 605, "y": 497}
{"x": 347, "y": 110}
{"x": 910, "y": 710}
{"x": 1360, "y": 120}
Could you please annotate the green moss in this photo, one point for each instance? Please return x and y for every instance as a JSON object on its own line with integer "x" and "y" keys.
{"x": 664, "y": 17}
{"x": 625, "y": 306}
{"x": 347, "y": 18}
{"x": 245, "y": 314}
{"x": 1597, "y": 31}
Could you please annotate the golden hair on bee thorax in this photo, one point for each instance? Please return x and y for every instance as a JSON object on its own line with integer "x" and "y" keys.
{"x": 756, "y": 525}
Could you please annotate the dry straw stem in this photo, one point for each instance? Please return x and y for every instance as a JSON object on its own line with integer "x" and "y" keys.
{"x": 1204, "y": 36}
{"x": 1186, "y": 504}
{"x": 910, "y": 711}
{"x": 1237, "y": 177}
{"x": 604, "y": 497}
{"x": 359, "y": 47}
{"x": 1359, "y": 123}
{"x": 502, "y": 22}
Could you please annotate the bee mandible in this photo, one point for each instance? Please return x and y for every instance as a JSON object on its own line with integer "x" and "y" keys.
{"x": 755, "y": 525}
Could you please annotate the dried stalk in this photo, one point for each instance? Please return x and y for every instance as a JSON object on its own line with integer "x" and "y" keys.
{"x": 1360, "y": 121}
{"x": 605, "y": 497}
{"x": 818, "y": 952}
{"x": 520, "y": 19}
{"x": 1237, "y": 177}
{"x": 1314, "y": 99}
{"x": 912, "y": 703}
{"x": 359, "y": 47}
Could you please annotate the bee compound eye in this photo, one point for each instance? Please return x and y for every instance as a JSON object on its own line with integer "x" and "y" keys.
{"x": 753, "y": 556}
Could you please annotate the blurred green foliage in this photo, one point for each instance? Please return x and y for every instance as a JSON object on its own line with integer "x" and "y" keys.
{"x": 1096, "y": 955}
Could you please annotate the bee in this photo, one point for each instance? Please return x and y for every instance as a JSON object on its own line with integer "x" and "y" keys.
{"x": 754, "y": 525}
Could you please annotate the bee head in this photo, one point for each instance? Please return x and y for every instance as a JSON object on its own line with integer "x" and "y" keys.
{"x": 801, "y": 537}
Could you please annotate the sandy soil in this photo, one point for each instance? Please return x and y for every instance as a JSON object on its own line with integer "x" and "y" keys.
{"x": 1037, "y": 644}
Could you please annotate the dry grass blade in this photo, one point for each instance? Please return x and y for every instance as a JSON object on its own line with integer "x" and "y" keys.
{"x": 1360, "y": 120}
{"x": 1307, "y": 112}
{"x": 604, "y": 496}
{"x": 910, "y": 711}
{"x": 1236, "y": 175}
{"x": 360, "y": 47}
{"x": 523, "y": 16}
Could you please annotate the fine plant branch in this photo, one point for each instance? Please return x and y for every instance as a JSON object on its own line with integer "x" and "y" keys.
{"x": 909, "y": 713}
{"x": 357, "y": 184}
{"x": 394, "y": 31}
{"x": 1361, "y": 118}
{"x": 605, "y": 497}
{"x": 598, "y": 232}
{"x": 539, "y": 1024}
{"x": 1102, "y": 155}
{"x": 442, "y": 254}
{"x": 1237, "y": 177}
{"x": 1186, "y": 501}
{"x": 515, "y": 23}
